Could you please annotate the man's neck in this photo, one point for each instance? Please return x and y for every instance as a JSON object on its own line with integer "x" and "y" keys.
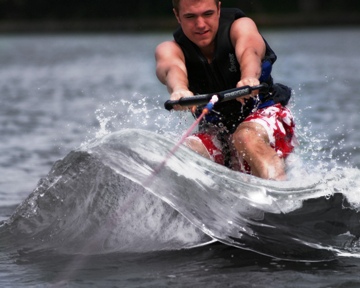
{"x": 208, "y": 52}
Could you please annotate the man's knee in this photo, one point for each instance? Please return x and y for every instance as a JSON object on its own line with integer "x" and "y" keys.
{"x": 249, "y": 133}
{"x": 197, "y": 145}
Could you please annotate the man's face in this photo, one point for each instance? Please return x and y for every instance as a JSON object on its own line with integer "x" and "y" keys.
{"x": 199, "y": 19}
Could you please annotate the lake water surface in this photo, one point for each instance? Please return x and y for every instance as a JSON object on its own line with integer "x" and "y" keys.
{"x": 59, "y": 92}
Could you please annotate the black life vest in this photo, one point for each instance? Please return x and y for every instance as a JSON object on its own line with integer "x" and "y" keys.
{"x": 222, "y": 73}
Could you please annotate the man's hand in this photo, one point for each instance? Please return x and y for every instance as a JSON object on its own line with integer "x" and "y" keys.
{"x": 176, "y": 95}
{"x": 250, "y": 81}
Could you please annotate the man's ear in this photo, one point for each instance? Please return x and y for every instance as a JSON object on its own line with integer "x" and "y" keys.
{"x": 176, "y": 15}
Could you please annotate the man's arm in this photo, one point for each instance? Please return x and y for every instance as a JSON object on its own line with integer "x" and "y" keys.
{"x": 171, "y": 70}
{"x": 250, "y": 50}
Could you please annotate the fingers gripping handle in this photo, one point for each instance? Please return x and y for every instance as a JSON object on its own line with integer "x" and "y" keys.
{"x": 188, "y": 101}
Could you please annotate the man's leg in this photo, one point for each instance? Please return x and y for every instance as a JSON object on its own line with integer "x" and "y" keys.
{"x": 252, "y": 142}
{"x": 195, "y": 144}
{"x": 264, "y": 140}
{"x": 207, "y": 146}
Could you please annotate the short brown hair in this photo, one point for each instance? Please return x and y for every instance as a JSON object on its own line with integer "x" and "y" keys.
{"x": 176, "y": 4}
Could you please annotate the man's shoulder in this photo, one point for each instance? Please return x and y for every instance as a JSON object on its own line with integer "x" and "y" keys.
{"x": 232, "y": 12}
{"x": 234, "y": 15}
{"x": 244, "y": 23}
{"x": 169, "y": 44}
{"x": 169, "y": 49}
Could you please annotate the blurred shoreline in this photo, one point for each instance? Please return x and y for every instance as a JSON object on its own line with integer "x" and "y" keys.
{"x": 134, "y": 25}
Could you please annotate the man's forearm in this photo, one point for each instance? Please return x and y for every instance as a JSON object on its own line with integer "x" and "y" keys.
{"x": 176, "y": 79}
{"x": 250, "y": 64}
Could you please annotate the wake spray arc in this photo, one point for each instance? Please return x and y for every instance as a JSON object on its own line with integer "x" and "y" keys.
{"x": 211, "y": 100}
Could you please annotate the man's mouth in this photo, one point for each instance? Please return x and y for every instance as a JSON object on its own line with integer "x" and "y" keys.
{"x": 202, "y": 33}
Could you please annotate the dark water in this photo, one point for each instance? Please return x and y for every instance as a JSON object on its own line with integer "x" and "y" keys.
{"x": 62, "y": 92}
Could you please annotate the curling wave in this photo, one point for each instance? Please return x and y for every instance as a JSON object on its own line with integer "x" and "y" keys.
{"x": 105, "y": 197}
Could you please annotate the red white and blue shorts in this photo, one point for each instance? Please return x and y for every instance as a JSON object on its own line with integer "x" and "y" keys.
{"x": 277, "y": 121}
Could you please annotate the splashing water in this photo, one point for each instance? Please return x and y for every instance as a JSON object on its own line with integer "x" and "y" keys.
{"x": 139, "y": 112}
{"x": 103, "y": 121}
{"x": 96, "y": 193}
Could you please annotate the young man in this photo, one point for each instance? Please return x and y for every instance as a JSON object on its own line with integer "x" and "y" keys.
{"x": 216, "y": 49}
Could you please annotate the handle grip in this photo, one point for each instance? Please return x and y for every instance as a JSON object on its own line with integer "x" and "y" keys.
{"x": 223, "y": 96}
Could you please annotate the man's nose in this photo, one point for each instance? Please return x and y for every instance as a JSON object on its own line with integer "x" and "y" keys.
{"x": 200, "y": 22}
